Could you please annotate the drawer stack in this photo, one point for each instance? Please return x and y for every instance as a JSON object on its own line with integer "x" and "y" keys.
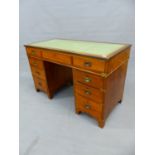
{"x": 37, "y": 69}
{"x": 89, "y": 94}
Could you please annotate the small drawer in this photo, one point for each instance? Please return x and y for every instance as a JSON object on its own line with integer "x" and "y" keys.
{"x": 88, "y": 104}
{"x": 89, "y": 63}
{"x": 88, "y": 79}
{"x": 38, "y": 73}
{"x": 89, "y": 92}
{"x": 36, "y": 63}
{"x": 40, "y": 84}
{"x": 34, "y": 52}
{"x": 57, "y": 57}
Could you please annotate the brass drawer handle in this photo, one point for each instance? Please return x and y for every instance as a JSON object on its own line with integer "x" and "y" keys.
{"x": 87, "y": 64}
{"x": 87, "y": 80}
{"x": 38, "y": 73}
{"x": 39, "y": 83}
{"x": 35, "y": 64}
{"x": 87, "y": 106}
{"x": 33, "y": 52}
{"x": 87, "y": 92}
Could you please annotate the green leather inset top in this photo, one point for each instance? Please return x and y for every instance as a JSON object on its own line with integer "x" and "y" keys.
{"x": 101, "y": 50}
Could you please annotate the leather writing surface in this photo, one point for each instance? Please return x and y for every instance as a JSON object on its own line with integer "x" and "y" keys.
{"x": 103, "y": 50}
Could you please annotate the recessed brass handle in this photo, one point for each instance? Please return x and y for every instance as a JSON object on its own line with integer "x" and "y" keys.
{"x": 87, "y": 106}
{"x": 38, "y": 73}
{"x": 87, "y": 80}
{"x": 87, "y": 64}
{"x": 33, "y": 52}
{"x": 39, "y": 83}
{"x": 35, "y": 64}
{"x": 87, "y": 92}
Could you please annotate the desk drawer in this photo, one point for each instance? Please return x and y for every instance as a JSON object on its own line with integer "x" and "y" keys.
{"x": 40, "y": 84}
{"x": 57, "y": 57}
{"x": 34, "y": 52}
{"x": 89, "y": 92}
{"x": 38, "y": 73}
{"x": 88, "y": 79}
{"x": 36, "y": 63}
{"x": 87, "y": 104}
{"x": 89, "y": 63}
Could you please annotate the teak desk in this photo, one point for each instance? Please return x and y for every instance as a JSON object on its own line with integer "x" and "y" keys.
{"x": 98, "y": 72}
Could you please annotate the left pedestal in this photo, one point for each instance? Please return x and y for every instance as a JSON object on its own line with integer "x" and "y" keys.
{"x": 38, "y": 71}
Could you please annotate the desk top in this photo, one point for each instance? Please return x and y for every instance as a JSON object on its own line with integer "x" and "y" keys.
{"x": 88, "y": 48}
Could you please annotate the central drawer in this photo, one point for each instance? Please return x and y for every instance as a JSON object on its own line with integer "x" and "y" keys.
{"x": 89, "y": 92}
{"x": 57, "y": 57}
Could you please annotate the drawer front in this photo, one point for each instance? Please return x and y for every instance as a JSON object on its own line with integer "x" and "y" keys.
{"x": 89, "y": 92}
{"x": 34, "y": 52}
{"x": 36, "y": 63}
{"x": 38, "y": 73}
{"x": 89, "y": 63}
{"x": 57, "y": 57}
{"x": 87, "y": 104}
{"x": 90, "y": 108}
{"x": 40, "y": 84}
{"x": 88, "y": 79}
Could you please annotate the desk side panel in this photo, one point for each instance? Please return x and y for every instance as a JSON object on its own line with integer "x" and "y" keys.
{"x": 114, "y": 88}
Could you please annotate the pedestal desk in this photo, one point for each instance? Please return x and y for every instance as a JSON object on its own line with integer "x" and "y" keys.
{"x": 97, "y": 70}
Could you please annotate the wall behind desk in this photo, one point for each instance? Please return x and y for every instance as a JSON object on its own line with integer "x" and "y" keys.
{"x": 99, "y": 20}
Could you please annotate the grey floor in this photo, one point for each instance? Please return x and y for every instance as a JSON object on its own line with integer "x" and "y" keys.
{"x": 51, "y": 127}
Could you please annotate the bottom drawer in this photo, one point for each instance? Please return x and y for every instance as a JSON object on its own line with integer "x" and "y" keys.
{"x": 40, "y": 84}
{"x": 85, "y": 105}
